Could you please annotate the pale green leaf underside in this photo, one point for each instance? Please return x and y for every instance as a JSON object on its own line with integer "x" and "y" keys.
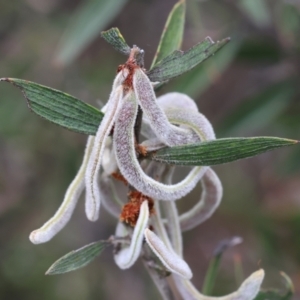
{"x": 58, "y": 107}
{"x": 180, "y": 62}
{"x": 172, "y": 35}
{"x": 219, "y": 151}
{"x": 77, "y": 259}
{"x": 86, "y": 24}
{"x": 114, "y": 37}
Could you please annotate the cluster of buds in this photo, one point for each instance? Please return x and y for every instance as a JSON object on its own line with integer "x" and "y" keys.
{"x": 117, "y": 155}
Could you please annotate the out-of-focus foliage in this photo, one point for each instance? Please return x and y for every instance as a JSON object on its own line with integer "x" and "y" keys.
{"x": 91, "y": 17}
{"x": 173, "y": 32}
{"x": 250, "y": 88}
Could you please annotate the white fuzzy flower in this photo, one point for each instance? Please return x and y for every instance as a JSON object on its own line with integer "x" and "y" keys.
{"x": 171, "y": 120}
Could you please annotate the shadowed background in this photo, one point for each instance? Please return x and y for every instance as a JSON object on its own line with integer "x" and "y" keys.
{"x": 250, "y": 87}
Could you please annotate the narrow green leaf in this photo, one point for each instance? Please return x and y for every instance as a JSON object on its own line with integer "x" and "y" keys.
{"x": 86, "y": 24}
{"x": 276, "y": 294}
{"x": 114, "y": 37}
{"x": 180, "y": 62}
{"x": 219, "y": 151}
{"x": 213, "y": 268}
{"x": 172, "y": 35}
{"x": 58, "y": 107}
{"x": 77, "y": 258}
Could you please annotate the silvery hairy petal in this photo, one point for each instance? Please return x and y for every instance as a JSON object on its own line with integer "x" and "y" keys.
{"x": 212, "y": 193}
{"x": 124, "y": 143}
{"x": 176, "y": 100}
{"x": 64, "y": 213}
{"x": 92, "y": 190}
{"x": 247, "y": 291}
{"x": 127, "y": 256}
{"x": 212, "y": 187}
{"x": 166, "y": 132}
{"x": 169, "y": 101}
{"x": 195, "y": 121}
{"x": 169, "y": 258}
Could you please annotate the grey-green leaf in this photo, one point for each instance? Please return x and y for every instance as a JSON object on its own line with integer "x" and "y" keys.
{"x": 180, "y": 62}
{"x": 86, "y": 24}
{"x": 114, "y": 37}
{"x": 77, "y": 258}
{"x": 219, "y": 151}
{"x": 172, "y": 35}
{"x": 58, "y": 107}
{"x": 278, "y": 295}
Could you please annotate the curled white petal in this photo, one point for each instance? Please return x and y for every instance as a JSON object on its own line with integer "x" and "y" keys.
{"x": 211, "y": 185}
{"x": 211, "y": 196}
{"x": 127, "y": 256}
{"x": 195, "y": 121}
{"x": 176, "y": 100}
{"x": 124, "y": 142}
{"x": 166, "y": 132}
{"x": 64, "y": 213}
{"x": 169, "y": 101}
{"x": 185, "y": 117}
{"x": 92, "y": 204}
{"x": 247, "y": 291}
{"x": 169, "y": 258}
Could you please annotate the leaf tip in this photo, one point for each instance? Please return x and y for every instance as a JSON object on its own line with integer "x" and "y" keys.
{"x": 292, "y": 142}
{"x": 49, "y": 271}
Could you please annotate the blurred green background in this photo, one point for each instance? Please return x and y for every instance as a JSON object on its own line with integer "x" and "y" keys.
{"x": 251, "y": 87}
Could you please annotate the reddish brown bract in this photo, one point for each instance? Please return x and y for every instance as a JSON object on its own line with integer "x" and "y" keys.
{"x": 131, "y": 210}
{"x": 130, "y": 65}
{"x": 120, "y": 177}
